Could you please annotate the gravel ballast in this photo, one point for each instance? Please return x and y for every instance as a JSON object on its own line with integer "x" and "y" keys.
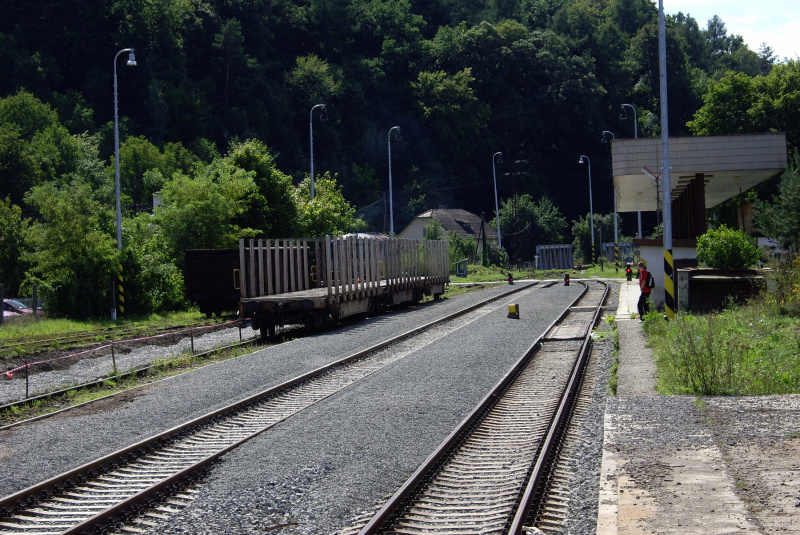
{"x": 337, "y": 460}
{"x": 36, "y": 451}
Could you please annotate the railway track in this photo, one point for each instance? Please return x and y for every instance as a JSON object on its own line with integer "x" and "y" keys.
{"x": 95, "y": 496}
{"x": 490, "y": 475}
{"x": 37, "y": 345}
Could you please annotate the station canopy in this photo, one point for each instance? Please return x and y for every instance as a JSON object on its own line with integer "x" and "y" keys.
{"x": 729, "y": 165}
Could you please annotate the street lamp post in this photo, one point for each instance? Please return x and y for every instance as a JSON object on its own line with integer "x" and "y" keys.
{"x": 391, "y": 210}
{"x": 497, "y": 156}
{"x": 131, "y": 63}
{"x": 623, "y": 115}
{"x": 323, "y": 117}
{"x": 616, "y": 225}
{"x": 591, "y": 207}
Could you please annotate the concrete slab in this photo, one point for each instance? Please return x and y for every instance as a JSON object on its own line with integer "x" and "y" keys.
{"x": 661, "y": 471}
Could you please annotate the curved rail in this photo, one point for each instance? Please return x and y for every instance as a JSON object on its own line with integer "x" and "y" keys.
{"x": 192, "y": 446}
{"x": 451, "y": 471}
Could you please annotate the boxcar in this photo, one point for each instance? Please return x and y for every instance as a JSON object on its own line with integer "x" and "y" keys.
{"x": 314, "y": 280}
{"x": 211, "y": 280}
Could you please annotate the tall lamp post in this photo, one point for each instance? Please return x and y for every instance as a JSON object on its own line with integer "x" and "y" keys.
{"x": 591, "y": 207}
{"x": 616, "y": 225}
{"x": 323, "y": 117}
{"x": 131, "y": 63}
{"x": 391, "y": 209}
{"x": 497, "y": 157}
{"x": 623, "y": 115}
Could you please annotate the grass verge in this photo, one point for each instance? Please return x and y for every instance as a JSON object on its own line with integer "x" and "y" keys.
{"x": 30, "y": 328}
{"x": 746, "y": 350}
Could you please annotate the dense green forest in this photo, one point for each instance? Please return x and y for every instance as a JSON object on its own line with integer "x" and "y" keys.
{"x": 217, "y": 112}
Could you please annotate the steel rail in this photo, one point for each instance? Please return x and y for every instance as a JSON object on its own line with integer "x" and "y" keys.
{"x": 55, "y": 485}
{"x": 439, "y": 456}
{"x": 138, "y": 372}
{"x": 556, "y": 429}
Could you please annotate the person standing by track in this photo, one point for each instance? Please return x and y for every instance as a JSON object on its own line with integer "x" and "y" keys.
{"x": 646, "y": 283}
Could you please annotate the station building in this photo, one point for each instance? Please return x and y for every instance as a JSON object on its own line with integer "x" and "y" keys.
{"x": 704, "y": 172}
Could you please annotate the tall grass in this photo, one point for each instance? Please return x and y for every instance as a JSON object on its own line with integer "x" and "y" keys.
{"x": 738, "y": 351}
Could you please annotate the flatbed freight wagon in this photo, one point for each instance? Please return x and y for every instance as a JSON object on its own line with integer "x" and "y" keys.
{"x": 314, "y": 280}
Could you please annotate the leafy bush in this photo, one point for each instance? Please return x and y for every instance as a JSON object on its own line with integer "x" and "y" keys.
{"x": 726, "y": 248}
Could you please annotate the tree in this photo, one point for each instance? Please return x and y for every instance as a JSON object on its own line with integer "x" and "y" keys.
{"x": 230, "y": 44}
{"x": 582, "y": 236}
{"x": 271, "y": 208}
{"x": 461, "y": 248}
{"x": 726, "y": 248}
{"x": 329, "y": 214}
{"x": 780, "y": 219}
{"x": 153, "y": 282}
{"x": 34, "y": 146}
{"x": 451, "y": 109}
{"x": 433, "y": 231}
{"x": 200, "y": 212}
{"x": 137, "y": 157}
{"x": 12, "y": 245}
{"x": 642, "y": 62}
{"x": 72, "y": 253}
{"x": 143, "y": 168}
{"x": 742, "y": 104}
{"x": 525, "y": 224}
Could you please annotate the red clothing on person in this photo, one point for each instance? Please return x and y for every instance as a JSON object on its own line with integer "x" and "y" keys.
{"x": 643, "y": 281}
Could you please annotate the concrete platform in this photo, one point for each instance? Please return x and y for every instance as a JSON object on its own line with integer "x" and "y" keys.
{"x": 661, "y": 472}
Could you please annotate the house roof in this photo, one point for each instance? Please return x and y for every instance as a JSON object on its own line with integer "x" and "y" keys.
{"x": 461, "y": 222}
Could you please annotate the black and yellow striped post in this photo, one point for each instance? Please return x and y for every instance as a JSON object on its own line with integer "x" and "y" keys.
{"x": 120, "y": 293}
{"x": 616, "y": 256}
{"x": 670, "y": 297}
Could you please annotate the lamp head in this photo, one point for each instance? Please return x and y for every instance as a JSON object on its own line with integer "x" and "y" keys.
{"x": 622, "y": 114}
{"x": 131, "y": 59}
{"x": 324, "y": 115}
{"x": 603, "y": 139}
{"x": 499, "y": 157}
{"x": 582, "y": 158}
{"x": 397, "y": 136}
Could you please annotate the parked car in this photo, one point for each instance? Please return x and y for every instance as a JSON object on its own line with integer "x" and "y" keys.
{"x": 15, "y": 307}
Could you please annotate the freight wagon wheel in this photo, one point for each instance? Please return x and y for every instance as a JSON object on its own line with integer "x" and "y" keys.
{"x": 376, "y": 306}
{"x": 267, "y": 331}
{"x": 319, "y": 320}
